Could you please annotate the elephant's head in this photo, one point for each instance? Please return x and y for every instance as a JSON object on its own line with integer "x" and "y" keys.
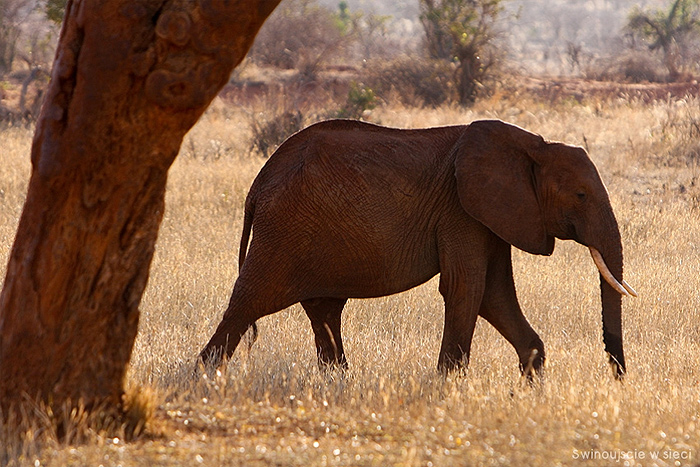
{"x": 529, "y": 191}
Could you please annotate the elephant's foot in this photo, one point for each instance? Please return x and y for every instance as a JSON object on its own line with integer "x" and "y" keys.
{"x": 450, "y": 362}
{"x": 532, "y": 363}
{"x": 332, "y": 365}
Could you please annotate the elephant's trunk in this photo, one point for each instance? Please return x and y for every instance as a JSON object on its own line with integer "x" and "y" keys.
{"x": 612, "y": 287}
{"x": 612, "y": 327}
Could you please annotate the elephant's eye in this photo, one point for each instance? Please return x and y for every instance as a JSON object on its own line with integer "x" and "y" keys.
{"x": 581, "y": 196}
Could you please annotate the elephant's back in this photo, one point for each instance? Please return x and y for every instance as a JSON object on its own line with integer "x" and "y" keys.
{"x": 355, "y": 169}
{"x": 352, "y": 149}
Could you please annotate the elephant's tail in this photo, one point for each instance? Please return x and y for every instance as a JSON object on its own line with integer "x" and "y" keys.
{"x": 245, "y": 236}
{"x": 247, "y": 226}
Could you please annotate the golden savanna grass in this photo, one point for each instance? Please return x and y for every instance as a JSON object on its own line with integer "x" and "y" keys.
{"x": 272, "y": 406}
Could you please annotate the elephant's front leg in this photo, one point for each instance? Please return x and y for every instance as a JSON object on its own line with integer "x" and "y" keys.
{"x": 462, "y": 291}
{"x": 325, "y": 315}
{"x": 500, "y": 307}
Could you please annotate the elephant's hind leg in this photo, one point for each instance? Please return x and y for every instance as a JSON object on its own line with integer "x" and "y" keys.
{"x": 325, "y": 315}
{"x": 244, "y": 309}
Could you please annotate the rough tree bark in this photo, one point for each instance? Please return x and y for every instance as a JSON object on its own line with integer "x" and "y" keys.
{"x": 129, "y": 79}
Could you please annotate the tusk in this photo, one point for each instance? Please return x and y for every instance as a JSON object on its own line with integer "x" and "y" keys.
{"x": 607, "y": 275}
{"x": 629, "y": 289}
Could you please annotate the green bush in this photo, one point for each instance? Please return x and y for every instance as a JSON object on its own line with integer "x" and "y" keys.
{"x": 360, "y": 99}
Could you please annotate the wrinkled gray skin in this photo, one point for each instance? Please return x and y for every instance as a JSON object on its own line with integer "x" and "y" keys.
{"x": 345, "y": 209}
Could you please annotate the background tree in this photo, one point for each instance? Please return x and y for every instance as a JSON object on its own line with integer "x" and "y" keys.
{"x": 368, "y": 30}
{"x": 671, "y": 31}
{"x": 463, "y": 31}
{"x": 55, "y": 9}
{"x": 299, "y": 35}
{"x": 13, "y": 13}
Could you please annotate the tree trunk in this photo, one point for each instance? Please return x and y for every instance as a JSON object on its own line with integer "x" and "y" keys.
{"x": 671, "y": 60}
{"x": 469, "y": 75}
{"x": 129, "y": 79}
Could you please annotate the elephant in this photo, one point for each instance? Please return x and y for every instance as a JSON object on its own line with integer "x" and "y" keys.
{"x": 346, "y": 209}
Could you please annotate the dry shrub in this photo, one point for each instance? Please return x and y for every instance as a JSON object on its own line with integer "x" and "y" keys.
{"x": 678, "y": 133}
{"x": 275, "y": 118}
{"x": 631, "y": 67}
{"x": 269, "y": 131}
{"x": 299, "y": 35}
{"x": 412, "y": 80}
{"x": 280, "y": 115}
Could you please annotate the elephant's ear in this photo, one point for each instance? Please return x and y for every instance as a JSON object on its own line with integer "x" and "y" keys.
{"x": 496, "y": 170}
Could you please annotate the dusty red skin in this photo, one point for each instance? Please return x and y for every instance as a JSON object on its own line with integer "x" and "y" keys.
{"x": 351, "y": 210}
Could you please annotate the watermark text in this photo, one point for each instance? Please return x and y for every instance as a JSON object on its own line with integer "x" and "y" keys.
{"x": 620, "y": 455}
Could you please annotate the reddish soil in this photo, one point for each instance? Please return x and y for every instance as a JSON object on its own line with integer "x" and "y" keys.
{"x": 555, "y": 89}
{"x": 335, "y": 85}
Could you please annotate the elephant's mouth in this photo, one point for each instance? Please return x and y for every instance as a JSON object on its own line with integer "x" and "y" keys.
{"x": 622, "y": 288}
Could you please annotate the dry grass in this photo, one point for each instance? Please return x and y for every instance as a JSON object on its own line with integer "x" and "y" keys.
{"x": 272, "y": 406}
